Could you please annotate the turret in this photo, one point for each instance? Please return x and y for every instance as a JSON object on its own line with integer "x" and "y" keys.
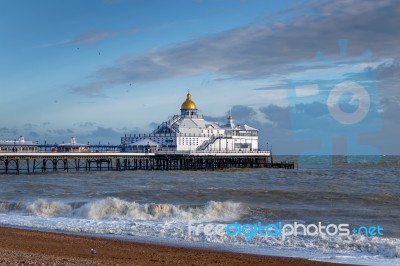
{"x": 188, "y": 107}
{"x": 230, "y": 121}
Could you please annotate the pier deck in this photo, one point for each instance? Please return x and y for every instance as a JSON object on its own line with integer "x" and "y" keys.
{"x": 41, "y": 162}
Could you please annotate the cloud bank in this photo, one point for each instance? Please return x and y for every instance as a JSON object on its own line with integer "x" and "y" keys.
{"x": 260, "y": 50}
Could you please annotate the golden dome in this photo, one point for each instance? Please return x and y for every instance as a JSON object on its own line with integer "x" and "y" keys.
{"x": 189, "y": 104}
{"x": 230, "y": 117}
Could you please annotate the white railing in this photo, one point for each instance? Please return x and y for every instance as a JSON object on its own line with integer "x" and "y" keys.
{"x": 216, "y": 152}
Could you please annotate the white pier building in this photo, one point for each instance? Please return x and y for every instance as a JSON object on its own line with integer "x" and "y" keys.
{"x": 189, "y": 131}
{"x": 20, "y": 145}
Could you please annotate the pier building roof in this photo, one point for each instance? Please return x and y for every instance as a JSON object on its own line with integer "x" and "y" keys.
{"x": 188, "y": 104}
{"x": 19, "y": 142}
{"x": 190, "y": 122}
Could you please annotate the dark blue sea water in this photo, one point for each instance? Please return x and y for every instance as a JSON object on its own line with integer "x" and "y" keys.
{"x": 158, "y": 206}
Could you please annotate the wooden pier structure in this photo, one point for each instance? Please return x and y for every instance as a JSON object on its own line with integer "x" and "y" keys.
{"x": 43, "y": 162}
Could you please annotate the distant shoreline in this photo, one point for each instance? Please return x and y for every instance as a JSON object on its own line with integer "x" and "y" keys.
{"x": 18, "y": 246}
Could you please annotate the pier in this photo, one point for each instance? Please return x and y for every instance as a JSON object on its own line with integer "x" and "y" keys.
{"x": 47, "y": 162}
{"x": 184, "y": 142}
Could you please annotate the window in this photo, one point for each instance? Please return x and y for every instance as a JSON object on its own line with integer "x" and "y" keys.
{"x": 242, "y": 145}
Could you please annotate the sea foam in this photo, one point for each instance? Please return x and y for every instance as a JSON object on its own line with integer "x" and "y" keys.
{"x": 47, "y": 208}
{"x": 115, "y": 216}
{"x": 116, "y": 208}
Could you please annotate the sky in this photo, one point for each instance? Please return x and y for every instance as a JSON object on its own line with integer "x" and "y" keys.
{"x": 98, "y": 70}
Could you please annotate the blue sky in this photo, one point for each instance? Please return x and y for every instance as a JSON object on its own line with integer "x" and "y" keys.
{"x": 99, "y": 69}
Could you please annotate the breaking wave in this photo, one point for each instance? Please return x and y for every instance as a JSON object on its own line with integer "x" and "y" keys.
{"x": 47, "y": 208}
{"x": 117, "y": 208}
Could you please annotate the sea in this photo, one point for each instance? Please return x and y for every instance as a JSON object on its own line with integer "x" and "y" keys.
{"x": 225, "y": 209}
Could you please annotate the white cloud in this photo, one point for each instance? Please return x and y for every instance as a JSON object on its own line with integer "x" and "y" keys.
{"x": 93, "y": 37}
{"x": 260, "y": 50}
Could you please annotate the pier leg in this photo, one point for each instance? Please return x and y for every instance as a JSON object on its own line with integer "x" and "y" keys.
{"x": 27, "y": 165}
{"x": 17, "y": 166}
